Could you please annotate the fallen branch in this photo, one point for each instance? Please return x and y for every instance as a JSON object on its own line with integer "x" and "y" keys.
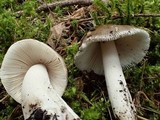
{"x": 114, "y": 17}
{"x": 63, "y": 4}
{"x": 137, "y": 15}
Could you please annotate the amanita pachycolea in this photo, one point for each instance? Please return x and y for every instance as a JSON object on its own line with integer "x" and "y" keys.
{"x": 36, "y": 77}
{"x": 106, "y": 50}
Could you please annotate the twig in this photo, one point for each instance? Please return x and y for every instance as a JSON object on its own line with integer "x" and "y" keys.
{"x": 63, "y": 4}
{"x": 142, "y": 93}
{"x": 141, "y": 118}
{"x": 137, "y": 15}
{"x": 137, "y": 99}
{"x": 149, "y": 109}
{"x": 5, "y": 97}
{"x": 117, "y": 17}
{"x": 145, "y": 15}
{"x": 156, "y": 93}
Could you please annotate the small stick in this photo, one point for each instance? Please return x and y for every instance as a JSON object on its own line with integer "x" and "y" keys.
{"x": 145, "y": 15}
{"x": 141, "y": 118}
{"x": 149, "y": 109}
{"x": 136, "y": 15}
{"x": 5, "y": 97}
{"x": 63, "y": 4}
{"x": 117, "y": 17}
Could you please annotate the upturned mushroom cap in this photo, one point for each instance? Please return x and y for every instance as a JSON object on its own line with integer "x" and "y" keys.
{"x": 24, "y": 54}
{"x": 132, "y": 45}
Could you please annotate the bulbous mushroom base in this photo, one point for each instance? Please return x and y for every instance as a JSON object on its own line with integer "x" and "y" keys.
{"x": 40, "y": 114}
{"x": 40, "y": 101}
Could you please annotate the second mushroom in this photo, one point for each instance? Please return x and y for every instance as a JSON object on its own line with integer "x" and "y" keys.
{"x": 106, "y": 50}
{"x": 36, "y": 77}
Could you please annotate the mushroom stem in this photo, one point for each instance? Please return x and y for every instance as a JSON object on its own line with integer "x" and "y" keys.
{"x": 40, "y": 100}
{"x": 119, "y": 94}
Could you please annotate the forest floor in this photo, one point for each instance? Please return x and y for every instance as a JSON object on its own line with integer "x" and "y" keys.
{"x": 63, "y": 26}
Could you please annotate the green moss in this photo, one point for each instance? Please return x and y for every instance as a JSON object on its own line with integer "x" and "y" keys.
{"x": 86, "y": 92}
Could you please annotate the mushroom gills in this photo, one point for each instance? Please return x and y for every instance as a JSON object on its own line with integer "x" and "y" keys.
{"x": 119, "y": 94}
{"x": 40, "y": 99}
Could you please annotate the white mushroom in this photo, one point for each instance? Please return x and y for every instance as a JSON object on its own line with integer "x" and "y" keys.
{"x": 36, "y": 77}
{"x": 105, "y": 51}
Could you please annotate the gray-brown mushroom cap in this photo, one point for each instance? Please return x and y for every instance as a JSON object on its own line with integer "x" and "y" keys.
{"x": 132, "y": 45}
{"x": 24, "y": 54}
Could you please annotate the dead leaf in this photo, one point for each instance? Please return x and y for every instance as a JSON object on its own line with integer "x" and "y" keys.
{"x": 55, "y": 34}
{"x": 80, "y": 13}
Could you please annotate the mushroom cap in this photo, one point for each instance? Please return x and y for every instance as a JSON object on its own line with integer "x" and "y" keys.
{"x": 132, "y": 45}
{"x": 24, "y": 54}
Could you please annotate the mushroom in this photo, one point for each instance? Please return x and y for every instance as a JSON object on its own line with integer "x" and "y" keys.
{"x": 106, "y": 50}
{"x": 35, "y": 76}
